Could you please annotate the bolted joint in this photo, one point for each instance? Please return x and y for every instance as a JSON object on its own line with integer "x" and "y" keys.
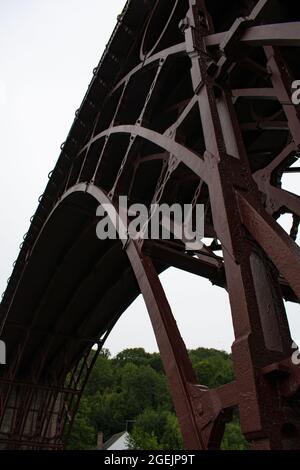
{"x": 184, "y": 24}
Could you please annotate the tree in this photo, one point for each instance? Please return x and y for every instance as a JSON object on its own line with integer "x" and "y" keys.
{"x": 143, "y": 388}
{"x": 132, "y": 387}
{"x": 159, "y": 424}
{"x": 172, "y": 438}
{"x": 102, "y": 377}
{"x": 83, "y": 434}
{"x": 141, "y": 440}
{"x": 233, "y": 437}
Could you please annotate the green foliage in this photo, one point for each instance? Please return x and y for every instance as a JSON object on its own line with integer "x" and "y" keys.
{"x": 213, "y": 368}
{"x": 157, "y": 428}
{"x": 84, "y": 433}
{"x": 143, "y": 387}
{"x": 233, "y": 438}
{"x": 102, "y": 377}
{"x": 172, "y": 438}
{"x": 131, "y": 389}
{"x": 141, "y": 440}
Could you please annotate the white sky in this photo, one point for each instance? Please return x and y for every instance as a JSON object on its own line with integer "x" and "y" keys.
{"x": 48, "y": 49}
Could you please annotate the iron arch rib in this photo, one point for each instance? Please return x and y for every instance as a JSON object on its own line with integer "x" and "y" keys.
{"x": 183, "y": 154}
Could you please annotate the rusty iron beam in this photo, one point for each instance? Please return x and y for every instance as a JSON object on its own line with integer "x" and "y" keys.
{"x": 281, "y": 34}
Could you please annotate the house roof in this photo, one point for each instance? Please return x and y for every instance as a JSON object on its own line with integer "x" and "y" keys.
{"x": 113, "y": 439}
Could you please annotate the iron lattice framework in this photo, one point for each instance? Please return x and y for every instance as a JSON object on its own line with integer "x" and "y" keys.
{"x": 191, "y": 102}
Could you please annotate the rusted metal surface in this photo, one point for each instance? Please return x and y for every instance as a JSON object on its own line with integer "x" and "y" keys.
{"x": 191, "y": 102}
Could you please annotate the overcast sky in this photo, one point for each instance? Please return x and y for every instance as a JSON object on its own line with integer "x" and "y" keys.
{"x": 48, "y": 49}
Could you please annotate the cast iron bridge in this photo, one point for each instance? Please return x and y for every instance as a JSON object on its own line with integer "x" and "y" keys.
{"x": 191, "y": 103}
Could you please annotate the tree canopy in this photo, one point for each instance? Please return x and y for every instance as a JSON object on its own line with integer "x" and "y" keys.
{"x": 130, "y": 392}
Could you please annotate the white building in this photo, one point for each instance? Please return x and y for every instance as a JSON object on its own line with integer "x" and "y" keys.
{"x": 116, "y": 442}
